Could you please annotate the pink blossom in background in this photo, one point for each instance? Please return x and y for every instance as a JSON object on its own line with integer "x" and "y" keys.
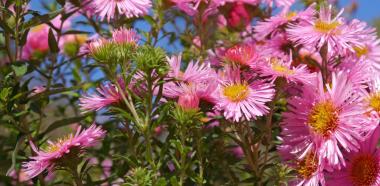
{"x": 272, "y": 25}
{"x": 47, "y": 158}
{"x": 238, "y": 15}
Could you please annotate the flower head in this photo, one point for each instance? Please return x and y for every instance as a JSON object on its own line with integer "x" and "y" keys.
{"x": 242, "y": 54}
{"x": 129, "y": 8}
{"x": 363, "y": 167}
{"x": 325, "y": 30}
{"x": 128, "y": 36}
{"x": 276, "y": 67}
{"x": 241, "y": 100}
{"x": 106, "y": 95}
{"x": 327, "y": 118}
{"x": 56, "y": 152}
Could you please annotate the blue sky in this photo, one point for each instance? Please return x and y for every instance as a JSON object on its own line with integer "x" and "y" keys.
{"x": 367, "y": 11}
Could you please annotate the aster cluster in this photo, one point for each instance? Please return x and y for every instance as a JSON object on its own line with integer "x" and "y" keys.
{"x": 250, "y": 97}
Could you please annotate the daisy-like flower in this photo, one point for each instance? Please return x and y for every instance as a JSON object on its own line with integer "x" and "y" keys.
{"x": 242, "y": 54}
{"x": 334, "y": 32}
{"x": 279, "y": 3}
{"x": 195, "y": 72}
{"x": 276, "y": 67}
{"x": 271, "y": 25}
{"x": 309, "y": 171}
{"x": 125, "y": 36}
{"x": 240, "y": 100}
{"x": 106, "y": 95}
{"x": 363, "y": 167}
{"x": 371, "y": 101}
{"x": 129, "y": 8}
{"x": 62, "y": 151}
{"x": 370, "y": 53}
{"x": 325, "y": 119}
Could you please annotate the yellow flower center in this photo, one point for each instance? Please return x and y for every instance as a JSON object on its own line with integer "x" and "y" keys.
{"x": 278, "y": 67}
{"x": 325, "y": 27}
{"x": 323, "y": 118}
{"x": 307, "y": 167}
{"x": 364, "y": 170}
{"x": 290, "y": 15}
{"x": 236, "y": 92}
{"x": 55, "y": 146}
{"x": 374, "y": 102}
{"x": 361, "y": 51}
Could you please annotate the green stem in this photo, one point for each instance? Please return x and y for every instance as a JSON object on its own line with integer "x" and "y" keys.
{"x": 182, "y": 175}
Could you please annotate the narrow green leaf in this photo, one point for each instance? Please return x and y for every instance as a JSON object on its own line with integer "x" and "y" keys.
{"x": 20, "y": 70}
{"x": 53, "y": 45}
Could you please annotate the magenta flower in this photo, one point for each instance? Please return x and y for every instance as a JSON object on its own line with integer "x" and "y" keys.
{"x": 242, "y": 54}
{"x": 106, "y": 95}
{"x": 67, "y": 147}
{"x": 363, "y": 167}
{"x": 328, "y": 120}
{"x": 129, "y": 8}
{"x": 240, "y": 100}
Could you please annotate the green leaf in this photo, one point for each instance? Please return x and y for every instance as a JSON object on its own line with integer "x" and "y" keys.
{"x": 20, "y": 70}
{"x": 53, "y": 45}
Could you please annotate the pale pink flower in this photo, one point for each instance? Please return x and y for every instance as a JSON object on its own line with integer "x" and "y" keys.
{"x": 194, "y": 72}
{"x": 273, "y": 25}
{"x": 124, "y": 35}
{"x": 67, "y": 147}
{"x": 240, "y": 100}
{"x": 363, "y": 167}
{"x": 334, "y": 32}
{"x": 328, "y": 119}
{"x": 277, "y": 67}
{"x": 279, "y": 3}
{"x": 129, "y": 8}
{"x": 106, "y": 95}
{"x": 369, "y": 53}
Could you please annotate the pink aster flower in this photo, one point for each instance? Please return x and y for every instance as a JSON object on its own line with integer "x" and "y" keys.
{"x": 273, "y": 24}
{"x": 369, "y": 53}
{"x": 242, "y": 54}
{"x": 279, "y": 3}
{"x": 363, "y": 167}
{"x": 129, "y": 8}
{"x": 371, "y": 101}
{"x": 334, "y": 32}
{"x": 328, "y": 119}
{"x": 240, "y": 100}
{"x": 124, "y": 35}
{"x": 309, "y": 171}
{"x": 189, "y": 101}
{"x": 194, "y": 72}
{"x": 106, "y": 95}
{"x": 277, "y": 67}
{"x": 57, "y": 152}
